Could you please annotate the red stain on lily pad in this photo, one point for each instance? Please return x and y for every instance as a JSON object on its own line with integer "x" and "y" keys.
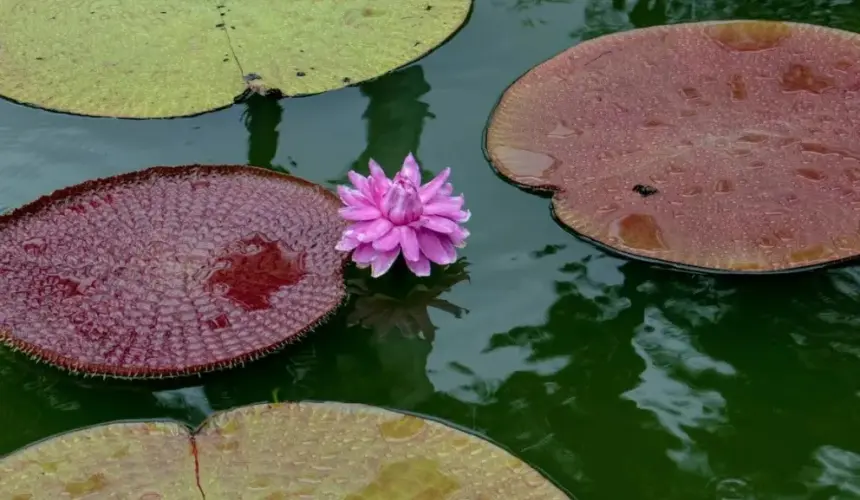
{"x": 250, "y": 275}
{"x": 170, "y": 270}
{"x": 720, "y": 146}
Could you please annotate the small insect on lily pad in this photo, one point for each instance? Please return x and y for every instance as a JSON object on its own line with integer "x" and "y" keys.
{"x": 715, "y": 146}
{"x": 163, "y": 58}
{"x": 169, "y": 270}
{"x": 286, "y": 450}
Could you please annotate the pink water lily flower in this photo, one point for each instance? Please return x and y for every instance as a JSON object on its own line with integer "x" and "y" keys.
{"x": 398, "y": 216}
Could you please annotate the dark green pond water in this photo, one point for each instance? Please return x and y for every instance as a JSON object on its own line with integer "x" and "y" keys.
{"x": 619, "y": 380}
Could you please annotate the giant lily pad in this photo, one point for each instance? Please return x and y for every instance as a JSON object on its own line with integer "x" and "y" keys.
{"x": 169, "y": 270}
{"x": 162, "y": 58}
{"x": 722, "y": 146}
{"x": 274, "y": 451}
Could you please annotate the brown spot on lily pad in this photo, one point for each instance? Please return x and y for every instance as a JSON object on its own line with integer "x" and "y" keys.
{"x": 402, "y": 428}
{"x": 93, "y": 484}
{"x": 749, "y": 36}
{"x": 408, "y": 479}
{"x": 752, "y": 114}
{"x": 147, "y": 274}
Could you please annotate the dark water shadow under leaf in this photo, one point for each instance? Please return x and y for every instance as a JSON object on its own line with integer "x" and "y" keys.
{"x": 261, "y": 117}
{"x": 395, "y": 118}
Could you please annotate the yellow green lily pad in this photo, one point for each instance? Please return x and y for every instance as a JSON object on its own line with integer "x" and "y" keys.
{"x": 162, "y": 58}
{"x": 274, "y": 451}
{"x": 140, "y": 460}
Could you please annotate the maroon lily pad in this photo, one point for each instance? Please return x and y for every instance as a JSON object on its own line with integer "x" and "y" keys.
{"x": 170, "y": 270}
{"x": 722, "y": 146}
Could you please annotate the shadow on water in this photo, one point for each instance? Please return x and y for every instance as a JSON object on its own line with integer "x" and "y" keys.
{"x": 261, "y": 117}
{"x": 395, "y": 118}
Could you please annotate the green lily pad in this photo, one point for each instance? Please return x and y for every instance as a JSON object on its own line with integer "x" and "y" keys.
{"x": 275, "y": 451}
{"x": 161, "y": 58}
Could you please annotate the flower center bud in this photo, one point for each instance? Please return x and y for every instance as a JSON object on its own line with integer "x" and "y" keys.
{"x": 401, "y": 203}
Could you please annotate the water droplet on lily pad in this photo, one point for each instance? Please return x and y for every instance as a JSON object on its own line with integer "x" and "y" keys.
{"x": 771, "y": 121}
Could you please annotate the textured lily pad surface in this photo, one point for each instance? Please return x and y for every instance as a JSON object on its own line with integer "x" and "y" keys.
{"x": 288, "y": 450}
{"x": 169, "y": 270}
{"x": 728, "y": 147}
{"x": 161, "y": 58}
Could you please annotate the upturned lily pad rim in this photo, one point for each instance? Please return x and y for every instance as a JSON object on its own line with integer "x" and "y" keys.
{"x": 343, "y": 406}
{"x": 9, "y": 341}
{"x": 550, "y": 191}
{"x": 241, "y": 98}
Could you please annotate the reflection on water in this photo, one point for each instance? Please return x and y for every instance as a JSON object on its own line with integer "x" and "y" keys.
{"x": 261, "y": 117}
{"x": 191, "y": 401}
{"x": 838, "y": 472}
{"x": 694, "y": 386}
{"x": 399, "y": 302}
{"x": 395, "y": 118}
{"x": 394, "y": 309}
{"x": 667, "y": 350}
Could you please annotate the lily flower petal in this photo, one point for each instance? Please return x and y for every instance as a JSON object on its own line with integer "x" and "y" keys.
{"x": 383, "y": 262}
{"x": 361, "y": 183}
{"x": 433, "y": 248}
{"x": 429, "y": 190}
{"x": 411, "y": 171}
{"x": 388, "y": 242}
{"x": 420, "y": 267}
{"x": 352, "y": 197}
{"x": 359, "y": 213}
{"x": 409, "y": 243}
{"x": 438, "y": 224}
{"x": 446, "y": 207}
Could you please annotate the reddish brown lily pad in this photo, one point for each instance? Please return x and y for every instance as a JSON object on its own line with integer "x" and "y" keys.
{"x": 170, "y": 270}
{"x": 722, "y": 146}
{"x": 274, "y": 451}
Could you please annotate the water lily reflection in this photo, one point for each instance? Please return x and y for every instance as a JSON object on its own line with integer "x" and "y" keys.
{"x": 399, "y": 301}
